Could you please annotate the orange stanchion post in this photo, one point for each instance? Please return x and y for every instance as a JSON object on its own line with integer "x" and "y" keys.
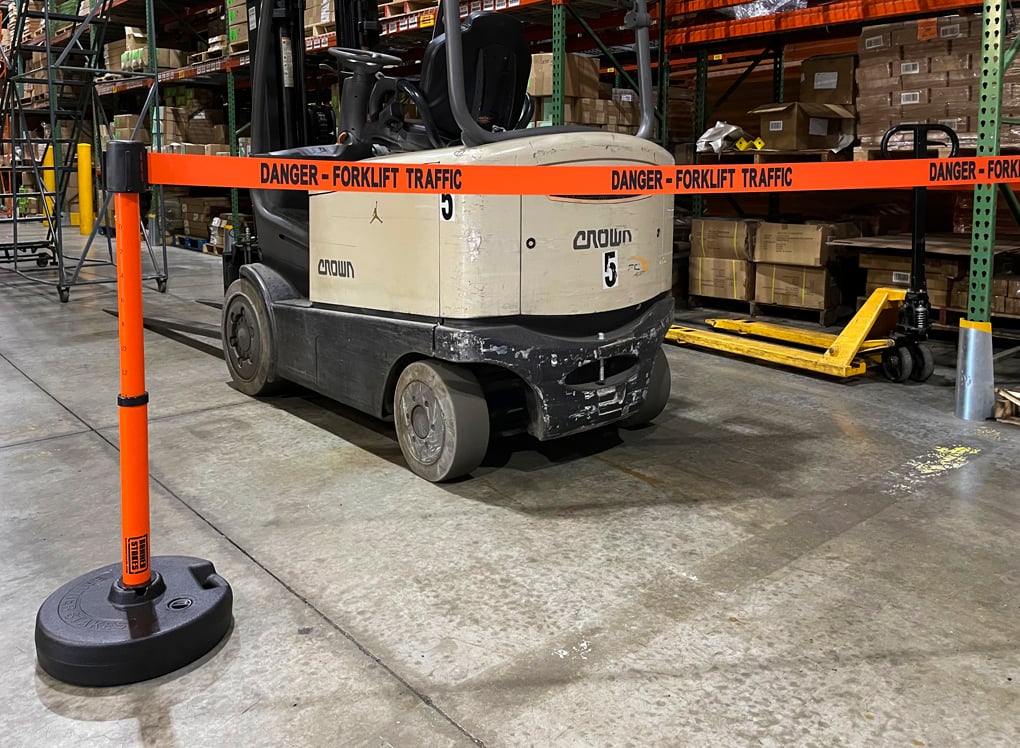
{"x": 133, "y": 399}
{"x": 145, "y": 616}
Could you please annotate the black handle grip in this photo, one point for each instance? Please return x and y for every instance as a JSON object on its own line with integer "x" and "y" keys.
{"x": 921, "y": 139}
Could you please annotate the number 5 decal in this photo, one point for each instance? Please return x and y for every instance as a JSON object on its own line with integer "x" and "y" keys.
{"x": 609, "y": 273}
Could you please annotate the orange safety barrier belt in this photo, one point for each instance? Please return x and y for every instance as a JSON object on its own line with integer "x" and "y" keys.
{"x": 394, "y": 177}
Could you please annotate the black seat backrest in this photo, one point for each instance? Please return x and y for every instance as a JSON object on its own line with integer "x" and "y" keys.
{"x": 497, "y": 63}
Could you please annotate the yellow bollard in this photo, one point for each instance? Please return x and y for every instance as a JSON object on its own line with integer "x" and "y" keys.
{"x": 49, "y": 181}
{"x": 87, "y": 214}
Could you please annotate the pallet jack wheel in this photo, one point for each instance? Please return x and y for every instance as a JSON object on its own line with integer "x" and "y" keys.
{"x": 65, "y": 294}
{"x": 442, "y": 420}
{"x": 161, "y": 285}
{"x": 657, "y": 396}
{"x": 248, "y": 342}
{"x": 42, "y": 260}
{"x": 924, "y": 362}
{"x": 897, "y": 364}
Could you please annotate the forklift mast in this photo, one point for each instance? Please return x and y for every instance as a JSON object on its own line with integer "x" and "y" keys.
{"x": 282, "y": 121}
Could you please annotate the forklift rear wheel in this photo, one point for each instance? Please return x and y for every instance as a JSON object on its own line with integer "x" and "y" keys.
{"x": 924, "y": 362}
{"x": 657, "y": 396}
{"x": 897, "y": 364}
{"x": 247, "y": 340}
{"x": 442, "y": 420}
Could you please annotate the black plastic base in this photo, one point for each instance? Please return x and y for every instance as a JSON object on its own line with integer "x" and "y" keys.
{"x": 94, "y": 632}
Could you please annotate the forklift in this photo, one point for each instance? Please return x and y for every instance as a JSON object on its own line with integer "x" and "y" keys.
{"x": 458, "y": 317}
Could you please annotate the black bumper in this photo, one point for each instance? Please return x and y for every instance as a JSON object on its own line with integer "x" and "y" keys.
{"x": 576, "y": 383}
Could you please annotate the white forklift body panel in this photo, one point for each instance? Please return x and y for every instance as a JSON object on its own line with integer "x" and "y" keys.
{"x": 485, "y": 256}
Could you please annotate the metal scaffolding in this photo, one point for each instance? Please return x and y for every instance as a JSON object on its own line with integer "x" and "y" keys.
{"x": 48, "y": 107}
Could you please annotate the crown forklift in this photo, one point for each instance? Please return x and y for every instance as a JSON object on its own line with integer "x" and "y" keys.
{"x": 456, "y": 316}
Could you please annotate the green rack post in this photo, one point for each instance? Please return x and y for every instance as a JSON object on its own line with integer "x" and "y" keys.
{"x": 975, "y": 384}
{"x": 559, "y": 52}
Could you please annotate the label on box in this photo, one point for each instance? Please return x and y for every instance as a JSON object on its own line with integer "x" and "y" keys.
{"x": 910, "y": 68}
{"x": 950, "y": 32}
{"x": 874, "y": 42}
{"x": 901, "y": 278}
{"x": 818, "y": 126}
{"x": 775, "y": 125}
{"x": 910, "y": 97}
{"x": 927, "y": 28}
{"x": 826, "y": 81}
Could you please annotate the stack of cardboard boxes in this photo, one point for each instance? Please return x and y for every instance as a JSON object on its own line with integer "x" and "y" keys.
{"x": 236, "y": 13}
{"x": 923, "y": 71}
{"x": 770, "y": 263}
{"x": 721, "y": 252}
{"x": 887, "y": 271}
{"x": 823, "y": 117}
{"x": 319, "y": 13}
{"x": 793, "y": 264}
{"x": 586, "y": 101}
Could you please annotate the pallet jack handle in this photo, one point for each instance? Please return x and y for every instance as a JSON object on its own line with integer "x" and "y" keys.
{"x": 914, "y": 314}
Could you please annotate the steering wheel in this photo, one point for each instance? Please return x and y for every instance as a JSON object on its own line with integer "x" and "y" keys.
{"x": 362, "y": 58}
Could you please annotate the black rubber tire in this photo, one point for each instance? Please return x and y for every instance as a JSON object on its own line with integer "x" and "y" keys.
{"x": 897, "y": 364}
{"x": 442, "y": 420}
{"x": 161, "y": 285}
{"x": 65, "y": 294}
{"x": 659, "y": 385}
{"x": 42, "y": 260}
{"x": 924, "y": 362}
{"x": 248, "y": 345}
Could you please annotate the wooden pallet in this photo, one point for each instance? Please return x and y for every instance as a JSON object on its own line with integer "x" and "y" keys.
{"x": 1007, "y": 406}
{"x": 766, "y": 156}
{"x": 212, "y": 249}
{"x": 319, "y": 29}
{"x": 824, "y": 317}
{"x": 237, "y": 48}
{"x": 210, "y": 54}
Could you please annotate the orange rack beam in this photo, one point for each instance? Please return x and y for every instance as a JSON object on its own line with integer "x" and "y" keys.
{"x": 850, "y": 11}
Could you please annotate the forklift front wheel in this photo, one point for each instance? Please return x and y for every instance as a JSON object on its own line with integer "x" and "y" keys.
{"x": 897, "y": 364}
{"x": 442, "y": 420}
{"x": 248, "y": 342}
{"x": 924, "y": 362}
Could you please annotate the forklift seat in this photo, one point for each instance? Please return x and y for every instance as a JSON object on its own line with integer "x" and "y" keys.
{"x": 497, "y": 63}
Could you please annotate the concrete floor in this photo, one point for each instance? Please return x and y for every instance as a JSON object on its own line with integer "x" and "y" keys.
{"x": 781, "y": 560}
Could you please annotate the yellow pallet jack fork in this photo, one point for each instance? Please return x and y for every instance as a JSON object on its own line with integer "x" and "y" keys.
{"x": 844, "y": 355}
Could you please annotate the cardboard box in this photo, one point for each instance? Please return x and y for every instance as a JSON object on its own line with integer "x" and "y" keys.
{"x": 217, "y": 149}
{"x": 135, "y": 38}
{"x": 874, "y": 40}
{"x": 880, "y": 71}
{"x": 800, "y": 125}
{"x": 1011, "y": 306}
{"x": 950, "y": 267}
{"x": 112, "y": 53}
{"x": 122, "y": 121}
{"x": 802, "y": 287}
{"x": 721, "y": 279}
{"x": 193, "y": 149}
{"x": 799, "y": 244}
{"x": 580, "y": 76}
{"x": 940, "y": 298}
{"x": 731, "y": 239}
{"x": 237, "y": 34}
{"x": 959, "y": 298}
{"x": 901, "y": 279}
{"x": 828, "y": 79}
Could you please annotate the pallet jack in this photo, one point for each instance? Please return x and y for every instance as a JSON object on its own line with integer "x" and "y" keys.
{"x": 889, "y": 329}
